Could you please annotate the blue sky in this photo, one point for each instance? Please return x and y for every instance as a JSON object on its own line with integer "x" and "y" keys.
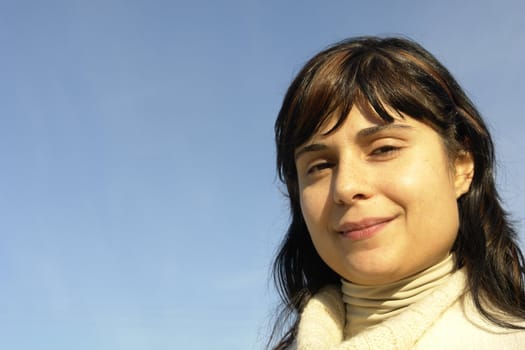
{"x": 138, "y": 196}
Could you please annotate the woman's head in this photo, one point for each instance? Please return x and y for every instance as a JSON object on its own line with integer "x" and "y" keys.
{"x": 380, "y": 198}
{"x": 388, "y": 80}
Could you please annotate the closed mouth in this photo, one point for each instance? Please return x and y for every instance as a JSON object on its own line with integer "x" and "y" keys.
{"x": 365, "y": 228}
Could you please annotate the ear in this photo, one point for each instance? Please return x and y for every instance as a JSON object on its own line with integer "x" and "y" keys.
{"x": 464, "y": 169}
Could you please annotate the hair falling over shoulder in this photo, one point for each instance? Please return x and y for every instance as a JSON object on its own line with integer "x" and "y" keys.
{"x": 400, "y": 74}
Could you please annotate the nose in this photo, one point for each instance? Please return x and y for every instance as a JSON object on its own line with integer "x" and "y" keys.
{"x": 351, "y": 182}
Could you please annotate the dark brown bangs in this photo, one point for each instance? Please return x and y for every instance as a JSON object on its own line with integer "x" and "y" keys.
{"x": 393, "y": 79}
{"x": 327, "y": 90}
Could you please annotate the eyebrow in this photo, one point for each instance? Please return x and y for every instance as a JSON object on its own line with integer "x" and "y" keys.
{"x": 367, "y": 132}
{"x": 378, "y": 128}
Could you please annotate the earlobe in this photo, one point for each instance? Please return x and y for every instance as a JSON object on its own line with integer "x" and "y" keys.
{"x": 464, "y": 169}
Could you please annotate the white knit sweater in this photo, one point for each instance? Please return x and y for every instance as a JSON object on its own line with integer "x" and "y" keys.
{"x": 445, "y": 319}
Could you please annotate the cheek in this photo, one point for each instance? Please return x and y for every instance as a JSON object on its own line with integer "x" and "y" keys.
{"x": 424, "y": 181}
{"x": 427, "y": 194}
{"x": 311, "y": 206}
{"x": 315, "y": 207}
{"x": 422, "y": 184}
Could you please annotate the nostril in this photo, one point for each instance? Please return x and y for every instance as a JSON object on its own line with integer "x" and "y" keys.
{"x": 342, "y": 199}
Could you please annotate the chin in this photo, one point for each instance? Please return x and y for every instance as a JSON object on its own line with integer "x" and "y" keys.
{"x": 372, "y": 271}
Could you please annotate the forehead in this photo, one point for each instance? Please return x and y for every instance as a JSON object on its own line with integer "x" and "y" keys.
{"x": 360, "y": 117}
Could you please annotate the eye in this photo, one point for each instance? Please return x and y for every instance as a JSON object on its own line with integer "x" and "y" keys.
{"x": 319, "y": 167}
{"x": 385, "y": 151}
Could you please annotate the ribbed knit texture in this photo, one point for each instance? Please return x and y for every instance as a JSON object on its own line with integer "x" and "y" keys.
{"x": 367, "y": 306}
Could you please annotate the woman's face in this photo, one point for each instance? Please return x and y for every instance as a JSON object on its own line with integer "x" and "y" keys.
{"x": 380, "y": 199}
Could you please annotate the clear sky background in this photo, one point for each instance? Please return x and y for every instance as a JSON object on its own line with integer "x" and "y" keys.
{"x": 139, "y": 206}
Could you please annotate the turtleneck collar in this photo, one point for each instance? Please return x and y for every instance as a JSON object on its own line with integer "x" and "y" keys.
{"x": 367, "y": 306}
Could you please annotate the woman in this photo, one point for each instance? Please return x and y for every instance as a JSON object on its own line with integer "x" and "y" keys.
{"x": 397, "y": 237}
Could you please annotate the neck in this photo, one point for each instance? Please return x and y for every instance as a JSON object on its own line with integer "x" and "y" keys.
{"x": 367, "y": 306}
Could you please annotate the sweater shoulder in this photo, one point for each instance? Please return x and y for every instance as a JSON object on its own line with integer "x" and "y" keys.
{"x": 463, "y": 327}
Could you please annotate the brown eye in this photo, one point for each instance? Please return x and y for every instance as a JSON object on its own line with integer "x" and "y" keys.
{"x": 318, "y": 167}
{"x": 385, "y": 150}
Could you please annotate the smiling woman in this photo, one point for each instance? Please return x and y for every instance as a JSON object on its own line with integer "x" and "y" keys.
{"x": 398, "y": 239}
{"x": 383, "y": 206}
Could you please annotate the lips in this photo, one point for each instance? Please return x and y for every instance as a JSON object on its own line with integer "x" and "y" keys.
{"x": 363, "y": 229}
